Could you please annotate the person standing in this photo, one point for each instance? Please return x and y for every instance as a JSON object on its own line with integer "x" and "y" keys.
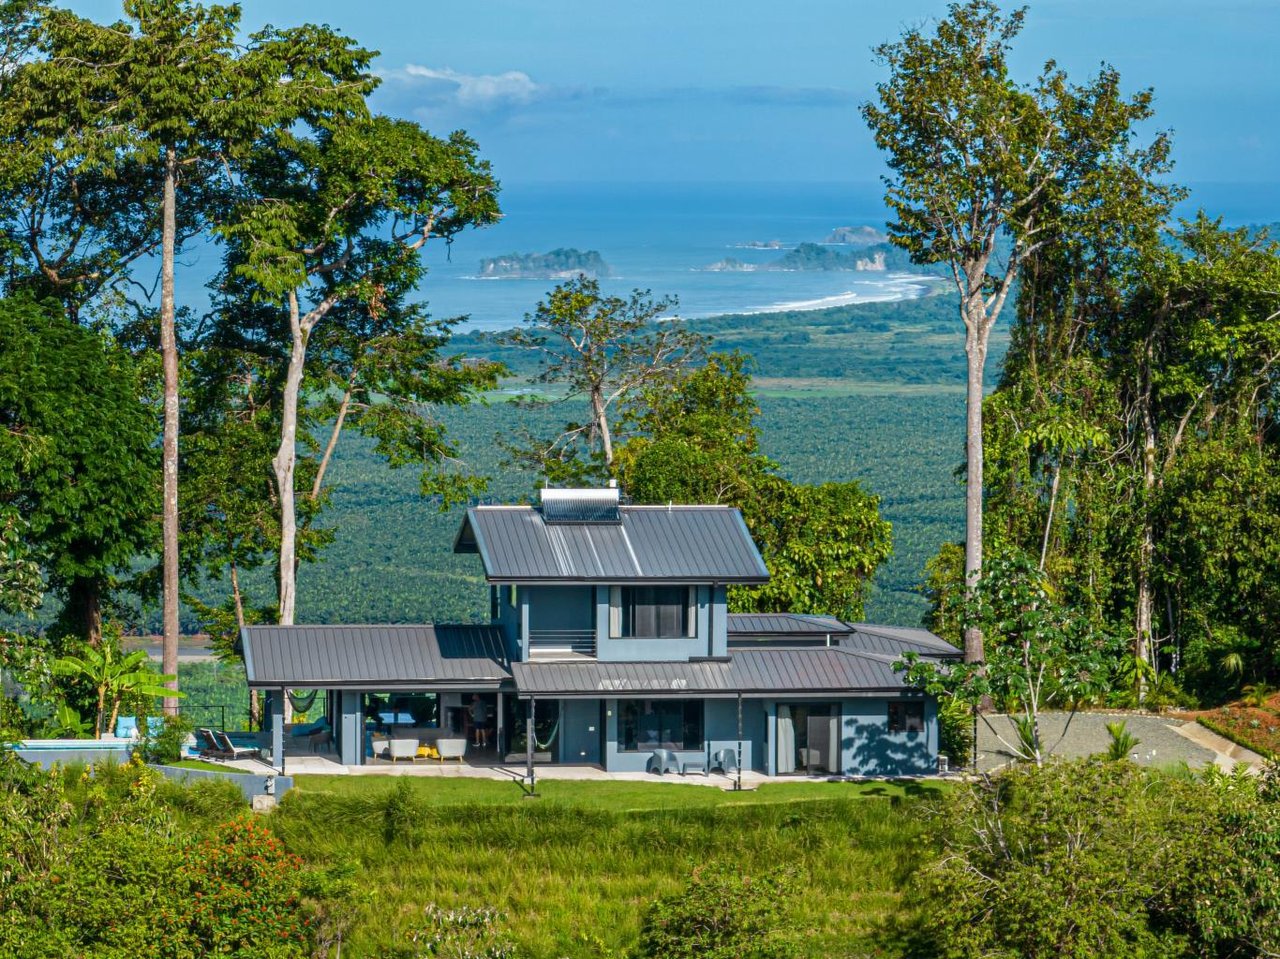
{"x": 479, "y": 711}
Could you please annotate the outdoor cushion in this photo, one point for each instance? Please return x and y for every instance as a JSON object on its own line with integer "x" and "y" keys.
{"x": 307, "y": 729}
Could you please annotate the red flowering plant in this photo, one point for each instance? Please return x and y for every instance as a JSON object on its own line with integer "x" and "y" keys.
{"x": 244, "y": 895}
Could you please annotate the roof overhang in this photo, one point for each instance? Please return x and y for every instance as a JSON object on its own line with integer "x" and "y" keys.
{"x": 424, "y": 657}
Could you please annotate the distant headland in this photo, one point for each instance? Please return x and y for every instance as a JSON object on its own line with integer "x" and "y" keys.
{"x": 811, "y": 256}
{"x": 856, "y": 236}
{"x": 556, "y": 265}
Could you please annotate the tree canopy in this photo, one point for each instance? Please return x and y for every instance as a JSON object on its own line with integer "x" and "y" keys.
{"x": 987, "y": 170}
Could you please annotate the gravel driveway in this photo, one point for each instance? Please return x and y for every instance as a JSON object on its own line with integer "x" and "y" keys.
{"x": 1159, "y": 743}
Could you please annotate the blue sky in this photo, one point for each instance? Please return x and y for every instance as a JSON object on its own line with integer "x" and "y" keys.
{"x": 709, "y": 90}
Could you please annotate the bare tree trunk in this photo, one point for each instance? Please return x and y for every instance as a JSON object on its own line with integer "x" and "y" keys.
{"x": 1048, "y": 523}
{"x": 976, "y": 349}
{"x": 1145, "y": 605}
{"x": 601, "y": 419}
{"x": 345, "y": 405}
{"x": 255, "y": 708}
{"x": 169, "y": 353}
{"x": 284, "y": 462}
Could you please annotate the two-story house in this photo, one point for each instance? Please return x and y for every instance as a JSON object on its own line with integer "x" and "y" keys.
{"x": 610, "y": 640}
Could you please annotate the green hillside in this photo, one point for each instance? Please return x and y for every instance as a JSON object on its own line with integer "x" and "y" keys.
{"x": 871, "y": 392}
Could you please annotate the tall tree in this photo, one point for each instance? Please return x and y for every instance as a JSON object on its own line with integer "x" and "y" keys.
{"x": 174, "y": 94}
{"x": 984, "y": 171}
{"x": 332, "y": 231}
{"x": 601, "y": 350}
{"x": 77, "y": 455}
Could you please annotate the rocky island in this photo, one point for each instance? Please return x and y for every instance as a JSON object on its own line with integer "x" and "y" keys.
{"x": 557, "y": 265}
{"x": 856, "y": 236}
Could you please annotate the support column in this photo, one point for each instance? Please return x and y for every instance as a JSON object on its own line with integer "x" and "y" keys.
{"x": 277, "y": 729}
{"x": 738, "y": 783}
{"x": 529, "y": 746}
{"x": 500, "y": 731}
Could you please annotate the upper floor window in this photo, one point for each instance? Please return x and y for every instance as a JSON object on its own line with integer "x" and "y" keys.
{"x": 652, "y": 612}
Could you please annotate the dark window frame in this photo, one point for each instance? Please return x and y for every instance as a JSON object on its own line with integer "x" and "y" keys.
{"x": 662, "y": 712}
{"x": 646, "y": 612}
{"x": 906, "y": 716}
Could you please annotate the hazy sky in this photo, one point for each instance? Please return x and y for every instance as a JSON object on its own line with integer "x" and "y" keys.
{"x": 697, "y": 90}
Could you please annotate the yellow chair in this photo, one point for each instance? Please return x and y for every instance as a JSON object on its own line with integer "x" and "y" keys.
{"x": 428, "y": 751}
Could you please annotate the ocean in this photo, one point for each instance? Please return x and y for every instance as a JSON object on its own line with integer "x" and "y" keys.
{"x": 661, "y": 238}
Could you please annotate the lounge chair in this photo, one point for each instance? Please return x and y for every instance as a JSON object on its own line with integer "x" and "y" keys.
{"x": 662, "y": 761}
{"x": 209, "y": 746}
{"x": 725, "y": 760}
{"x": 231, "y": 751}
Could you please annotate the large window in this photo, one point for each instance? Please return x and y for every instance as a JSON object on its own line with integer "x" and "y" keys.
{"x": 385, "y": 711}
{"x": 906, "y": 717}
{"x": 651, "y": 612}
{"x": 645, "y": 724}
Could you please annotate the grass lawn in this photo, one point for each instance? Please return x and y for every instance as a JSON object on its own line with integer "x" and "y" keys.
{"x": 574, "y": 869}
{"x": 201, "y": 764}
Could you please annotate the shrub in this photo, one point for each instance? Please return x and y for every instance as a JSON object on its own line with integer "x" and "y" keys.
{"x": 1122, "y": 742}
{"x": 1061, "y": 861}
{"x": 165, "y": 744}
{"x": 242, "y": 892}
{"x": 1229, "y": 903}
{"x": 955, "y": 732}
{"x": 93, "y": 863}
{"x": 721, "y": 914}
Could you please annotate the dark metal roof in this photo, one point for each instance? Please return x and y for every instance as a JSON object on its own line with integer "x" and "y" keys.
{"x": 896, "y": 640}
{"x": 815, "y": 671}
{"x": 375, "y": 657}
{"x": 796, "y": 629}
{"x": 785, "y": 624}
{"x": 676, "y": 544}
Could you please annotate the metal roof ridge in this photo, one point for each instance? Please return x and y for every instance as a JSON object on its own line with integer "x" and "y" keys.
{"x": 354, "y": 625}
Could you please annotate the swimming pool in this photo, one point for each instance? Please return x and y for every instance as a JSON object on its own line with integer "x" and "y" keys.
{"x": 45, "y": 752}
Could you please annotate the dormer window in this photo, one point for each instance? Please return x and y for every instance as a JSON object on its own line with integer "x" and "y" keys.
{"x": 652, "y": 612}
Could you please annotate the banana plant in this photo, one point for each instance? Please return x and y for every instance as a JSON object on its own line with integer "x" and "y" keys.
{"x": 113, "y": 679}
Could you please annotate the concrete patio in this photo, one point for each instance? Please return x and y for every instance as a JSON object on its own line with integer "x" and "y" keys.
{"x": 327, "y": 765}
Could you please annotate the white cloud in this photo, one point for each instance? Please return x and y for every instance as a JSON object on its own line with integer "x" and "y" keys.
{"x": 484, "y": 91}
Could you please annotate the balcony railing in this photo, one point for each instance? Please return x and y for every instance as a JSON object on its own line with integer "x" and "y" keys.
{"x": 546, "y": 643}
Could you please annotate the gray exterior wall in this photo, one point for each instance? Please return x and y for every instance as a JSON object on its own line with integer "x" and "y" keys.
{"x": 580, "y": 731}
{"x": 720, "y": 725}
{"x": 511, "y": 619}
{"x": 710, "y": 634}
{"x": 867, "y": 747}
{"x": 871, "y": 750}
{"x": 720, "y": 731}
